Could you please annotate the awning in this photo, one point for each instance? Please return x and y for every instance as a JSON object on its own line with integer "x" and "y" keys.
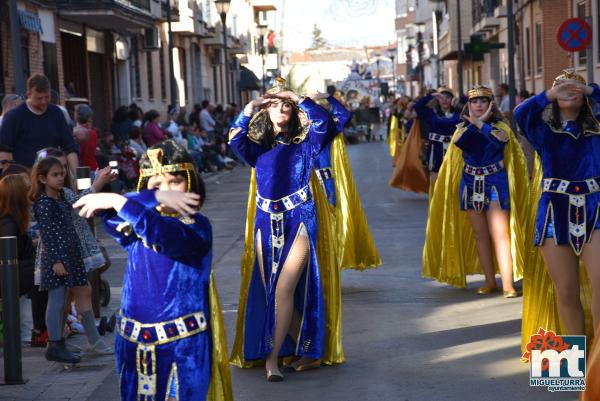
{"x": 248, "y": 81}
{"x": 30, "y": 21}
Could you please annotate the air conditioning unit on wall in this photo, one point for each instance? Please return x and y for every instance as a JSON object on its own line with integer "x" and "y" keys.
{"x": 151, "y": 39}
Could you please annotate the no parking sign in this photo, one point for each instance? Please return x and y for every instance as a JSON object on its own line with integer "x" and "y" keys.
{"x": 574, "y": 35}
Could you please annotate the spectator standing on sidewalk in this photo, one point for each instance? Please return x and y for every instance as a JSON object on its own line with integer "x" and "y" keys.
{"x": 36, "y": 124}
{"x": 86, "y": 136}
{"x": 9, "y": 102}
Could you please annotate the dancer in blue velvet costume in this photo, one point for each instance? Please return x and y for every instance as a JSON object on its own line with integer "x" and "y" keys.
{"x": 163, "y": 346}
{"x": 282, "y": 150}
{"x": 565, "y": 134}
{"x": 442, "y": 120}
{"x": 323, "y": 168}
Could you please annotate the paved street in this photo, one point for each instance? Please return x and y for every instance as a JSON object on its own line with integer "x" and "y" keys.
{"x": 405, "y": 338}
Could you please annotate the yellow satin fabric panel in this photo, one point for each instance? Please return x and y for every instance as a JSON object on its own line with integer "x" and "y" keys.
{"x": 220, "y": 376}
{"x": 328, "y": 254}
{"x": 247, "y": 264}
{"x": 449, "y": 254}
{"x": 352, "y": 235}
{"x": 330, "y": 278}
{"x": 539, "y": 299}
{"x": 392, "y": 138}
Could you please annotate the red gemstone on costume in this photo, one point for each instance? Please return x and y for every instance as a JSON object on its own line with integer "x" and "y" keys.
{"x": 146, "y": 335}
{"x": 276, "y": 207}
{"x": 190, "y": 324}
{"x": 170, "y": 331}
{"x": 577, "y": 189}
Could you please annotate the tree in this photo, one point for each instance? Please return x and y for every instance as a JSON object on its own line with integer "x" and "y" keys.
{"x": 318, "y": 41}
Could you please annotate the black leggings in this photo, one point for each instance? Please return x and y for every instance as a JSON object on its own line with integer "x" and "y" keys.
{"x": 39, "y": 303}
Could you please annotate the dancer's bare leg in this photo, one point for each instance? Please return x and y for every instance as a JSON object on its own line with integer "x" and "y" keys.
{"x": 498, "y": 223}
{"x": 481, "y": 233}
{"x": 591, "y": 259}
{"x": 563, "y": 268}
{"x": 284, "y": 295}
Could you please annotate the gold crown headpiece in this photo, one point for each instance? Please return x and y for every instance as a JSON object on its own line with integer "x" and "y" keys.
{"x": 279, "y": 86}
{"x": 568, "y": 75}
{"x": 480, "y": 91}
{"x": 156, "y": 156}
{"x": 445, "y": 89}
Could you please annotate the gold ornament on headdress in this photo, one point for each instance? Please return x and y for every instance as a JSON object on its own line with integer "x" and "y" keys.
{"x": 569, "y": 75}
{"x": 480, "y": 91}
{"x": 279, "y": 86}
{"x": 445, "y": 89}
{"x": 156, "y": 156}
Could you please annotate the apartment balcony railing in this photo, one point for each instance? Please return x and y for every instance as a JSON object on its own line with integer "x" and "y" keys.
{"x": 110, "y": 14}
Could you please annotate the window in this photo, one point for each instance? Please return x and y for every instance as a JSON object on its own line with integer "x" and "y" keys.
{"x": 538, "y": 48}
{"x": 528, "y": 51}
{"x": 161, "y": 60}
{"x": 582, "y": 55}
{"x": 150, "y": 75}
{"x": 51, "y": 64}
{"x": 136, "y": 67}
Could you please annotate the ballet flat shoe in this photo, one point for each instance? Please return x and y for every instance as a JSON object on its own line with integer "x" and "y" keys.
{"x": 511, "y": 294}
{"x": 274, "y": 377}
{"x": 486, "y": 290}
{"x": 307, "y": 366}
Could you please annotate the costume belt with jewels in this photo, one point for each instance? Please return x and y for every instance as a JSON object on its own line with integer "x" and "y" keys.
{"x": 276, "y": 209}
{"x": 576, "y": 191}
{"x": 479, "y": 174}
{"x": 148, "y": 335}
{"x": 325, "y": 173}
{"x": 443, "y": 139}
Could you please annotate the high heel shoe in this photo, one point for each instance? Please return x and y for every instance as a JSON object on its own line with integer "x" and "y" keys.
{"x": 274, "y": 376}
{"x": 301, "y": 367}
{"x": 486, "y": 290}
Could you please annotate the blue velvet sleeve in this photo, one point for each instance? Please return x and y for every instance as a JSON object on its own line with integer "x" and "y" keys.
{"x": 168, "y": 235}
{"x": 529, "y": 117}
{"x": 319, "y": 134}
{"x": 117, "y": 227}
{"x": 49, "y": 218}
{"x": 341, "y": 114}
{"x": 468, "y": 139}
{"x": 243, "y": 146}
{"x": 423, "y": 111}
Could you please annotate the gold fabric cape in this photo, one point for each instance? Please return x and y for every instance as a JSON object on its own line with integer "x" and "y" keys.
{"x": 220, "y": 376}
{"x": 409, "y": 173}
{"x": 327, "y": 255}
{"x": 352, "y": 236}
{"x": 449, "y": 254}
{"x": 539, "y": 300}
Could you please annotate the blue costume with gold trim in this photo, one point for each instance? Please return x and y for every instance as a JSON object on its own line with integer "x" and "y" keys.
{"x": 441, "y": 129}
{"x": 162, "y": 337}
{"x": 284, "y": 208}
{"x": 569, "y": 207}
{"x": 323, "y": 165}
{"x": 484, "y": 177}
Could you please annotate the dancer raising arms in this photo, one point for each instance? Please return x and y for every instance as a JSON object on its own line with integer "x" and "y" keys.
{"x": 284, "y": 295}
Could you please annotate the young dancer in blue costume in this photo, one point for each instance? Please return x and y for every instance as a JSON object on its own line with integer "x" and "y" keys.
{"x": 565, "y": 134}
{"x": 441, "y": 120}
{"x": 283, "y": 150}
{"x": 480, "y": 202}
{"x": 169, "y": 327}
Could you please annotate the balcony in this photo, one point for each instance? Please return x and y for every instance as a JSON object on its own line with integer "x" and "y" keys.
{"x": 485, "y": 16}
{"x": 265, "y": 5}
{"x": 109, "y": 14}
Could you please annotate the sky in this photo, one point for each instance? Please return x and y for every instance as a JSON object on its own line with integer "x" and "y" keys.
{"x": 353, "y": 23}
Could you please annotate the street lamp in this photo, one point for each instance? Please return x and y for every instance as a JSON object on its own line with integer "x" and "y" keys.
{"x": 392, "y": 55}
{"x": 262, "y": 31}
{"x": 222, "y": 9}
